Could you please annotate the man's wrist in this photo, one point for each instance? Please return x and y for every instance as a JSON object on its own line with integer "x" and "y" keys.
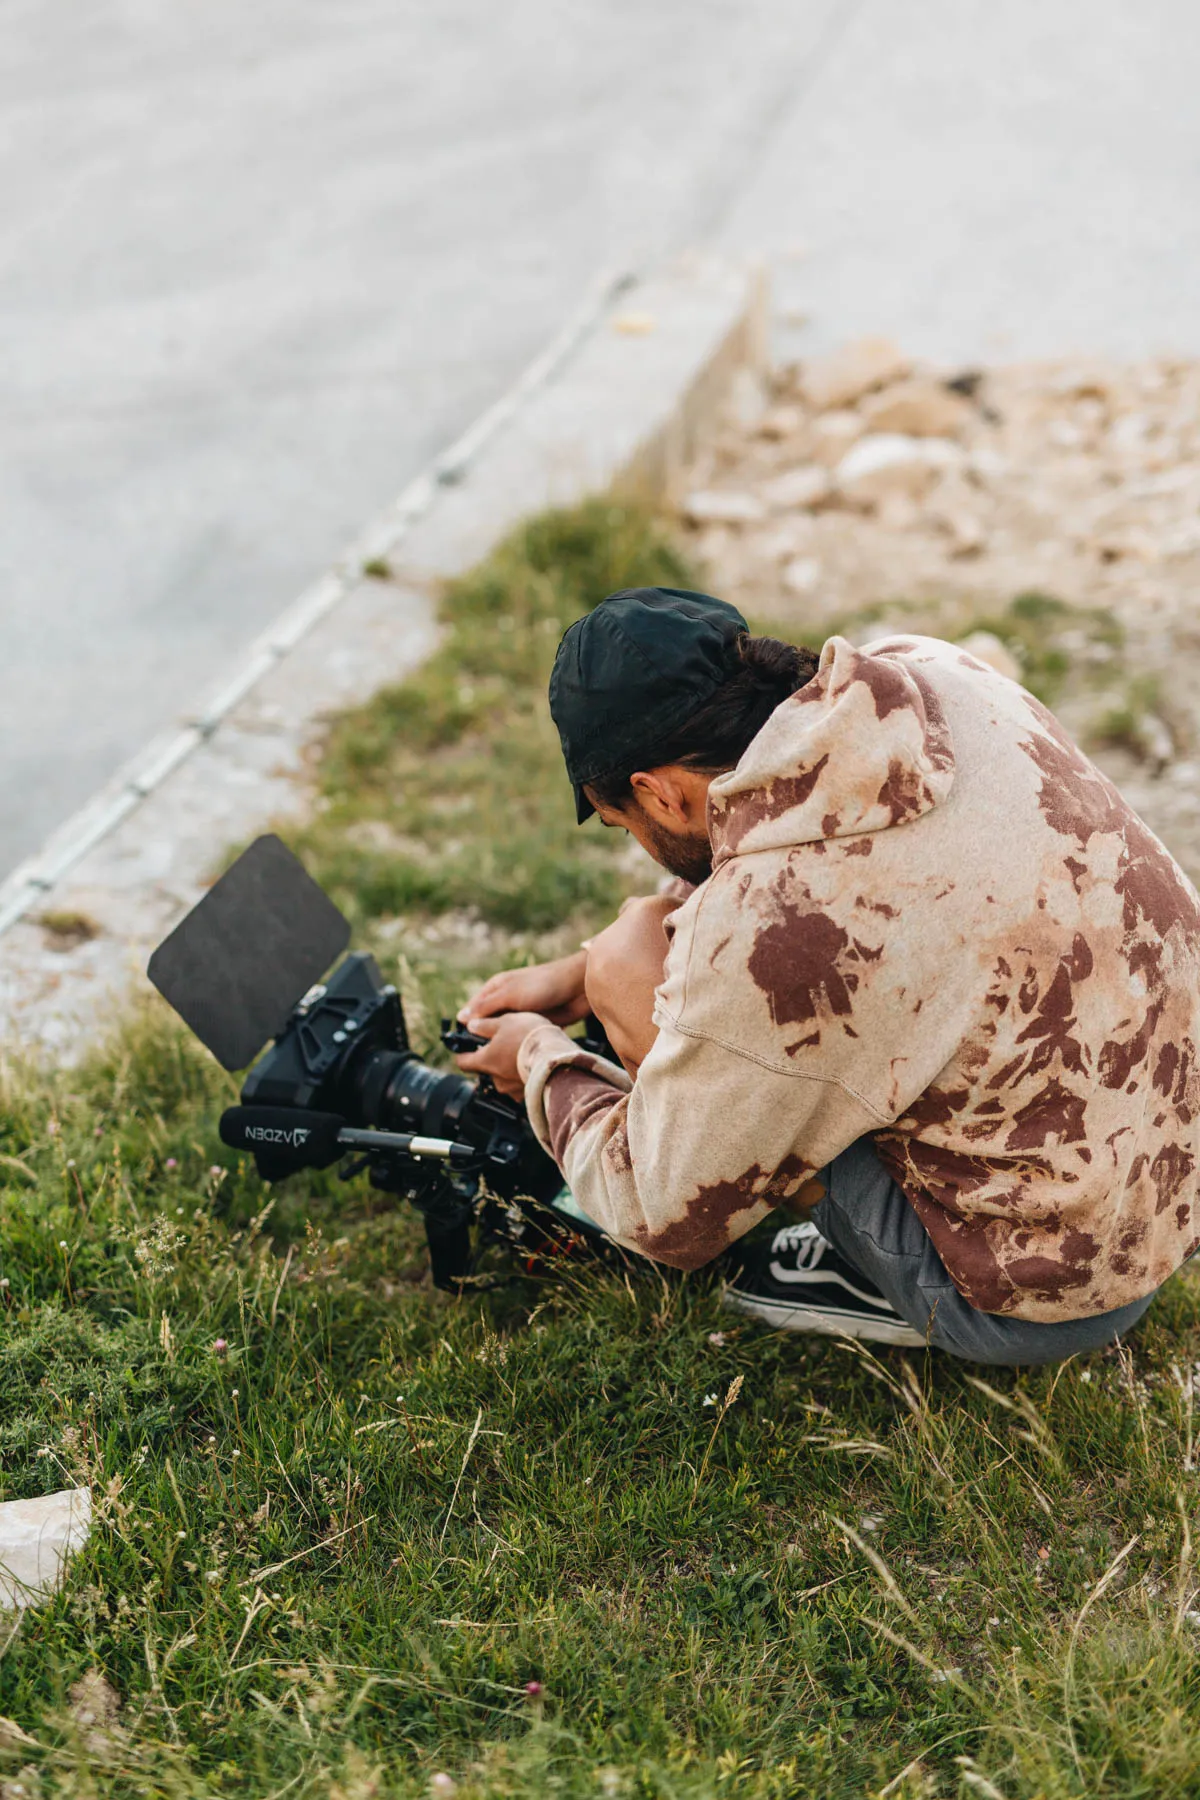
{"x": 577, "y": 962}
{"x": 545, "y": 1040}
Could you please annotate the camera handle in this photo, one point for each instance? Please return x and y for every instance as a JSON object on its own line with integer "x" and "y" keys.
{"x": 460, "y": 1042}
{"x": 450, "y": 1255}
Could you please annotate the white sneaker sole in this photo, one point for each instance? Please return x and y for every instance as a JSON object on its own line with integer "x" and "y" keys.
{"x": 829, "y": 1321}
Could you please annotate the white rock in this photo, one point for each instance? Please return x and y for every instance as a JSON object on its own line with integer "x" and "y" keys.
{"x": 953, "y": 508}
{"x": 987, "y": 648}
{"x": 898, "y": 512}
{"x": 1177, "y": 480}
{"x": 918, "y": 408}
{"x": 1065, "y": 434}
{"x": 987, "y": 465}
{"x": 1079, "y": 381}
{"x": 1130, "y": 542}
{"x": 780, "y": 422}
{"x": 801, "y": 575}
{"x": 966, "y": 532}
{"x": 832, "y": 435}
{"x": 844, "y": 375}
{"x": 1157, "y": 742}
{"x": 791, "y": 536}
{"x": 711, "y": 506}
{"x": 885, "y": 463}
{"x": 1127, "y": 435}
{"x": 1184, "y": 540}
{"x": 806, "y": 485}
{"x": 36, "y": 1538}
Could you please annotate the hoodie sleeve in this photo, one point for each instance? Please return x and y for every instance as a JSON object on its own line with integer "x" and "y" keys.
{"x": 661, "y": 1163}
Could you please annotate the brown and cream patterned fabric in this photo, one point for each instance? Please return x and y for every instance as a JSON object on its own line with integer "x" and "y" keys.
{"x": 930, "y": 918}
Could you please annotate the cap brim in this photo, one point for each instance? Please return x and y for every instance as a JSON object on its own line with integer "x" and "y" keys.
{"x": 583, "y": 806}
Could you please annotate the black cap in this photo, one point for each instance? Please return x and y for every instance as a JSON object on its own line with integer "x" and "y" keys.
{"x": 631, "y": 672}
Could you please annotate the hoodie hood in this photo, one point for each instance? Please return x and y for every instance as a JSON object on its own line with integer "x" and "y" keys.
{"x": 862, "y": 747}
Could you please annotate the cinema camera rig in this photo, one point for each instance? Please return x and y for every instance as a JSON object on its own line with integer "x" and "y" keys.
{"x": 341, "y": 1080}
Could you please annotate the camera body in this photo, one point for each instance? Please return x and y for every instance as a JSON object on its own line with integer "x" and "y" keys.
{"x": 340, "y": 1078}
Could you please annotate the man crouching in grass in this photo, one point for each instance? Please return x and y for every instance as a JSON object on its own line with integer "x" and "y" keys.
{"x": 923, "y": 973}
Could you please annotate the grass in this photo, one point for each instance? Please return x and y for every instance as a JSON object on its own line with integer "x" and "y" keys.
{"x": 1125, "y": 724}
{"x": 1074, "y": 658}
{"x": 343, "y": 1523}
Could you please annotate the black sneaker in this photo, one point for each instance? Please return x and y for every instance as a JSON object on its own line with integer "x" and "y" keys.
{"x": 798, "y": 1282}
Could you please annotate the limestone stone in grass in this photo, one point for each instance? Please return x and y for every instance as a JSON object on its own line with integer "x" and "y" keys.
{"x": 36, "y": 1538}
{"x": 802, "y": 575}
{"x": 966, "y": 533}
{"x": 886, "y": 463}
{"x": 898, "y": 512}
{"x": 832, "y": 435}
{"x": 917, "y": 408}
{"x": 987, "y": 648}
{"x": 780, "y": 422}
{"x": 806, "y": 485}
{"x": 954, "y": 508}
{"x": 710, "y": 506}
{"x": 96, "y": 1710}
{"x": 845, "y": 375}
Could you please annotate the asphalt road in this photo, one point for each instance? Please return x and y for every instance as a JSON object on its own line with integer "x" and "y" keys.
{"x": 260, "y": 263}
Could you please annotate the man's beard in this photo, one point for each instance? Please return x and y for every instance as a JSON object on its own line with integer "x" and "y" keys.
{"x": 688, "y": 857}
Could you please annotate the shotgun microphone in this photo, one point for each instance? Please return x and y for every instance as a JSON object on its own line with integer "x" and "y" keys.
{"x": 286, "y": 1138}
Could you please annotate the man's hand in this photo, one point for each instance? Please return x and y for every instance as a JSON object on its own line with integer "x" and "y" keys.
{"x": 553, "y": 989}
{"x": 499, "y": 1056}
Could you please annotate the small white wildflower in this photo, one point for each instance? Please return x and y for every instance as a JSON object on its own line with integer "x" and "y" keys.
{"x": 62, "y": 1243}
{"x": 70, "y": 1162}
{"x": 717, "y": 1339}
{"x": 181, "y": 1534}
{"x": 4, "y": 1282}
{"x": 213, "y": 1575}
{"x": 237, "y": 1453}
{"x": 710, "y": 1399}
{"x": 233, "y": 1393}
{"x": 1085, "y": 1374}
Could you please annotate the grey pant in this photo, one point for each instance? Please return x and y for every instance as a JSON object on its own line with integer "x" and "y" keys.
{"x": 868, "y": 1220}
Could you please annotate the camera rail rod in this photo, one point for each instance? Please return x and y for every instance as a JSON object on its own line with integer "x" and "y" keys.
{"x": 409, "y": 1143}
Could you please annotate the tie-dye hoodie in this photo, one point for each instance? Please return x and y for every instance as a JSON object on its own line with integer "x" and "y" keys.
{"x": 932, "y": 919}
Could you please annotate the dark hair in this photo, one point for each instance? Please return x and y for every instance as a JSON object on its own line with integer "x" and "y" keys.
{"x": 763, "y": 672}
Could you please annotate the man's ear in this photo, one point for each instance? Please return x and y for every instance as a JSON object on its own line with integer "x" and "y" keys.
{"x": 660, "y": 796}
{"x": 672, "y": 795}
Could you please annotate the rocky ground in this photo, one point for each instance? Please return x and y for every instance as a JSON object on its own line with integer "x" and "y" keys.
{"x": 1049, "y": 513}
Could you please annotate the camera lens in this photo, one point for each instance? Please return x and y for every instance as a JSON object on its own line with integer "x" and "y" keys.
{"x": 398, "y": 1092}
